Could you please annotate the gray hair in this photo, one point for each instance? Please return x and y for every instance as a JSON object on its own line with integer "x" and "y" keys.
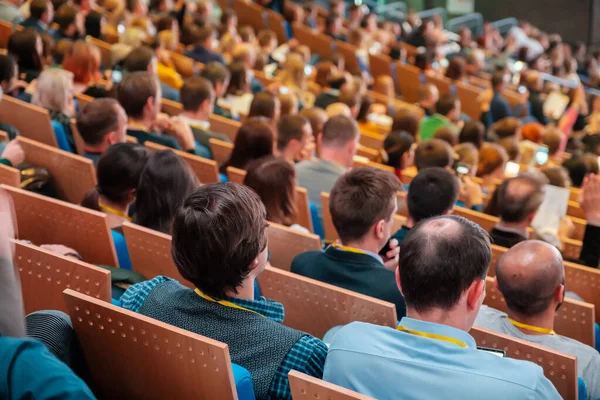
{"x": 54, "y": 90}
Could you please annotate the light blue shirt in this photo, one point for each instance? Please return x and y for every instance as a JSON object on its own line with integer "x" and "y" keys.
{"x": 316, "y": 177}
{"x": 385, "y": 363}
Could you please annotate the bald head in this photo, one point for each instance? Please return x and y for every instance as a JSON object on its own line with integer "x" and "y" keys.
{"x": 528, "y": 276}
{"x": 338, "y": 109}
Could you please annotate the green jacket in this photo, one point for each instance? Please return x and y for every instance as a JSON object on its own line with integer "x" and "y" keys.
{"x": 431, "y": 124}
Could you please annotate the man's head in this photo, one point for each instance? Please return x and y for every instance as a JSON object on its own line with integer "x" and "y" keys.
{"x": 198, "y": 97}
{"x": 448, "y": 106}
{"x": 294, "y": 136}
{"x": 475, "y": 61}
{"x": 42, "y": 10}
{"x": 340, "y": 139}
{"x": 102, "y": 123}
{"x": 498, "y": 81}
{"x": 218, "y": 75}
{"x": 519, "y": 199}
{"x": 362, "y": 205}
{"x": 531, "y": 277}
{"x": 431, "y": 193}
{"x": 333, "y": 24}
{"x": 70, "y": 20}
{"x": 428, "y": 95}
{"x": 141, "y": 59}
{"x": 244, "y": 53}
{"x": 448, "y": 134}
{"x": 338, "y": 109}
{"x": 443, "y": 265}
{"x": 140, "y": 95}
{"x": 229, "y": 255}
{"x": 352, "y": 99}
{"x": 508, "y": 127}
{"x": 317, "y": 118}
{"x": 552, "y": 137}
{"x": 206, "y": 37}
{"x": 433, "y": 153}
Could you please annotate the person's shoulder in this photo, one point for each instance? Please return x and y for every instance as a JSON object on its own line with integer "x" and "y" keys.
{"x": 306, "y": 165}
{"x": 304, "y": 260}
{"x": 346, "y": 336}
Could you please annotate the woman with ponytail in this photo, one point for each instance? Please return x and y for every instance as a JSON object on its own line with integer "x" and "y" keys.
{"x": 118, "y": 174}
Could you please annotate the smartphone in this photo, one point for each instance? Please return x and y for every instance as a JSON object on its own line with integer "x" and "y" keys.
{"x": 496, "y": 352}
{"x": 308, "y": 70}
{"x": 511, "y": 169}
{"x": 385, "y": 248}
{"x": 283, "y": 90}
{"x": 462, "y": 169}
{"x": 522, "y": 89}
{"x": 116, "y": 76}
{"x": 541, "y": 156}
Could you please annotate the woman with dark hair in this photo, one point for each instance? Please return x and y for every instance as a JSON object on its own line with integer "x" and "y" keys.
{"x": 274, "y": 180}
{"x": 254, "y": 140}
{"x": 165, "y": 183}
{"x": 238, "y": 96}
{"x": 266, "y": 105}
{"x": 399, "y": 151}
{"x": 118, "y": 173}
{"x": 94, "y": 24}
{"x": 472, "y": 132}
{"x": 27, "y": 48}
{"x": 407, "y": 121}
{"x": 457, "y": 69}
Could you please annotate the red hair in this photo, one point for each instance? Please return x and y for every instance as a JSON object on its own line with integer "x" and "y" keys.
{"x": 83, "y": 60}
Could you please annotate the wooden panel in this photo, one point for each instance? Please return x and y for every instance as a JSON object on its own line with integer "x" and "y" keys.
{"x": 226, "y": 126}
{"x": 150, "y": 253}
{"x": 348, "y": 51}
{"x": 306, "y": 387}
{"x": 221, "y": 151}
{"x": 409, "y": 81}
{"x": 513, "y": 98}
{"x": 79, "y": 143}
{"x": 571, "y": 249}
{"x": 441, "y": 82}
{"x": 10, "y": 176}
{"x": 236, "y": 175}
{"x": 302, "y": 297}
{"x": 585, "y": 282}
{"x": 185, "y": 365}
{"x": 286, "y": 243}
{"x": 360, "y": 161}
{"x": 579, "y": 228}
{"x": 44, "y": 276}
{"x": 105, "y": 50}
{"x": 487, "y": 222}
{"x": 574, "y": 319}
{"x": 575, "y": 210}
{"x": 317, "y": 43}
{"x": 72, "y": 175}
{"x": 575, "y": 192}
{"x": 172, "y": 108}
{"x": 559, "y": 368}
{"x": 303, "y": 216}
{"x": 6, "y": 29}
{"x": 368, "y": 153}
{"x": 83, "y": 100}
{"x": 380, "y": 64}
{"x": 276, "y": 24}
{"x": 249, "y": 13}
{"x": 372, "y": 140}
{"x": 33, "y": 122}
{"x": 328, "y": 227}
{"x": 470, "y": 100}
{"x": 205, "y": 169}
{"x": 44, "y": 220}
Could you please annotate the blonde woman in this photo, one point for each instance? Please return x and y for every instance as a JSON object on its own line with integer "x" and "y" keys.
{"x": 293, "y": 76}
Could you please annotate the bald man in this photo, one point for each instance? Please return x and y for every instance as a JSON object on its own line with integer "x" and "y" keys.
{"x": 531, "y": 277}
{"x": 517, "y": 201}
{"x": 535, "y": 85}
{"x": 338, "y": 109}
{"x": 245, "y": 53}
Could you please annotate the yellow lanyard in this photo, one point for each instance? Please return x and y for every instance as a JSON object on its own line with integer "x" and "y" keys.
{"x": 347, "y": 248}
{"x": 224, "y": 302}
{"x": 114, "y": 211}
{"x": 532, "y": 327}
{"x": 432, "y": 336}
{"x": 137, "y": 125}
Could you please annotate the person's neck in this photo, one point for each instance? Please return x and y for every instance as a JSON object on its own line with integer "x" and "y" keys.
{"x": 544, "y": 320}
{"x": 244, "y": 291}
{"x": 518, "y": 226}
{"x": 143, "y": 123}
{"x": 365, "y": 244}
{"x": 334, "y": 156}
{"x": 442, "y": 317}
{"x": 409, "y": 222}
{"x": 114, "y": 220}
{"x": 99, "y": 149}
{"x": 197, "y": 115}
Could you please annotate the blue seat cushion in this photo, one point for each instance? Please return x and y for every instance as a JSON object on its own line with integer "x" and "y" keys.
{"x": 243, "y": 383}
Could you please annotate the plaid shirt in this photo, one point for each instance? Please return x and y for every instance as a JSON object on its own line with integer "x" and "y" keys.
{"x": 306, "y": 356}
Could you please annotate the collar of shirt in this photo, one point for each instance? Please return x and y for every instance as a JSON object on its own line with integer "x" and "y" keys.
{"x": 438, "y": 329}
{"x": 195, "y": 123}
{"x": 268, "y": 308}
{"x": 521, "y": 232}
{"x": 370, "y": 253}
{"x": 331, "y": 166}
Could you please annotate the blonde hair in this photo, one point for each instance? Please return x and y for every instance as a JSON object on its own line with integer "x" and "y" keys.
{"x": 167, "y": 40}
{"x": 293, "y": 75}
{"x": 54, "y": 90}
{"x": 467, "y": 153}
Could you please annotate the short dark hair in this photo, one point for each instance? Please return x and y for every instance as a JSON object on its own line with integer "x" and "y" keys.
{"x": 339, "y": 130}
{"x": 431, "y": 193}
{"x": 37, "y": 8}
{"x": 396, "y": 144}
{"x": 165, "y": 23}
{"x": 7, "y": 67}
{"x": 577, "y": 169}
{"x": 215, "y": 72}
{"x": 65, "y": 16}
{"x": 472, "y": 132}
{"x": 433, "y": 153}
{"x": 360, "y": 198}
{"x": 516, "y": 205}
{"x": 440, "y": 258}
{"x": 222, "y": 262}
{"x": 446, "y": 104}
{"x": 138, "y": 59}
{"x": 195, "y": 91}
{"x": 447, "y": 134}
{"x": 497, "y": 79}
{"x": 204, "y": 32}
{"x": 263, "y": 104}
{"x": 507, "y": 127}
{"x": 406, "y": 120}
{"x": 290, "y": 127}
{"x": 134, "y": 90}
{"x": 97, "y": 119}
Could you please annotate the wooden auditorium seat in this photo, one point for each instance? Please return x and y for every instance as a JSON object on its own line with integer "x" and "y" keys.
{"x": 131, "y": 356}
{"x": 441, "y": 82}
{"x": 277, "y": 25}
{"x": 286, "y": 243}
{"x": 206, "y": 170}
{"x": 368, "y": 153}
{"x": 409, "y": 81}
{"x": 170, "y": 107}
{"x": 318, "y": 43}
{"x": 306, "y": 387}
{"x": 6, "y": 29}
{"x": 226, "y": 126}
{"x": 348, "y": 51}
{"x": 470, "y": 100}
{"x": 10, "y": 176}
{"x": 105, "y": 50}
{"x": 371, "y": 140}
{"x": 236, "y": 175}
{"x": 315, "y": 307}
{"x": 221, "y": 151}
{"x": 380, "y": 64}
{"x": 33, "y": 122}
{"x": 250, "y": 13}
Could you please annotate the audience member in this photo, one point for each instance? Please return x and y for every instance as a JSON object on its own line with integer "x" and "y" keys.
{"x": 535, "y": 85}
{"x": 447, "y": 134}
{"x": 511, "y": 146}
{"x": 399, "y": 151}
{"x": 71, "y": 23}
{"x": 428, "y": 95}
{"x": 266, "y": 105}
{"x": 499, "y": 107}
{"x": 362, "y": 205}
{"x": 447, "y": 115}
{"x": 443, "y": 264}
{"x": 83, "y": 61}
{"x": 238, "y": 96}
{"x": 245, "y": 54}
{"x": 26, "y": 47}
{"x": 255, "y": 139}
{"x": 552, "y": 138}
{"x": 329, "y": 94}
{"x": 41, "y": 14}
{"x": 406, "y": 120}
{"x": 433, "y": 153}
{"x": 472, "y": 132}
{"x": 492, "y": 160}
{"x": 143, "y": 59}
{"x": 204, "y": 46}
{"x": 219, "y": 76}
{"x": 223, "y": 306}
{"x": 508, "y": 127}
{"x": 557, "y": 176}
{"x": 295, "y": 140}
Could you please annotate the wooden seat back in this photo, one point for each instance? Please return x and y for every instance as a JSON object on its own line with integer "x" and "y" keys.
{"x": 372, "y": 140}
{"x": 441, "y": 82}
{"x": 6, "y": 30}
{"x": 10, "y": 176}
{"x": 105, "y": 50}
{"x": 226, "y": 126}
{"x": 306, "y": 387}
{"x": 470, "y": 100}
{"x": 155, "y": 360}
{"x": 33, "y": 122}
{"x": 368, "y": 153}
{"x": 317, "y": 43}
{"x": 286, "y": 243}
{"x": 409, "y": 81}
{"x": 206, "y": 170}
{"x": 380, "y": 64}
{"x": 170, "y": 107}
{"x": 249, "y": 13}
{"x": 221, "y": 151}
{"x": 348, "y": 51}
{"x": 236, "y": 175}
{"x": 276, "y": 24}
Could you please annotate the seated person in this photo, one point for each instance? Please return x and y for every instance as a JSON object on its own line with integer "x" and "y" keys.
{"x": 244, "y": 53}
{"x": 266, "y": 105}
{"x": 433, "y": 153}
{"x": 431, "y": 193}
{"x": 508, "y": 127}
{"x": 295, "y": 140}
{"x": 118, "y": 173}
{"x": 101, "y": 124}
{"x": 143, "y": 59}
{"x": 83, "y": 60}
{"x": 338, "y": 144}
{"x": 238, "y": 96}
{"x": 443, "y": 265}
{"x": 26, "y": 48}
{"x": 447, "y": 134}
{"x": 531, "y": 277}
{"x": 223, "y": 306}
{"x": 492, "y": 160}
{"x": 333, "y": 28}
{"x": 499, "y": 107}
{"x": 329, "y": 94}
{"x": 428, "y": 95}
{"x": 317, "y": 118}
{"x": 198, "y": 100}
{"x": 399, "y": 154}
{"x": 205, "y": 43}
{"x": 164, "y": 183}
{"x": 472, "y": 132}
{"x": 71, "y": 23}
{"x": 362, "y": 205}
{"x": 447, "y": 114}
{"x": 255, "y": 139}
{"x": 41, "y": 14}
{"x": 219, "y": 76}
{"x": 552, "y": 138}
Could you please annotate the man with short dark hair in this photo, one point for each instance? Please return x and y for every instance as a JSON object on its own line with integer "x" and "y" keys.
{"x": 206, "y": 42}
{"x": 101, "y": 124}
{"x": 219, "y": 76}
{"x": 441, "y": 273}
{"x": 447, "y": 114}
{"x": 41, "y": 14}
{"x": 500, "y": 107}
{"x": 431, "y": 193}
{"x": 295, "y": 140}
{"x": 70, "y": 23}
{"x": 518, "y": 200}
{"x": 427, "y": 97}
{"x": 362, "y": 205}
{"x": 338, "y": 82}
{"x": 143, "y": 59}
{"x": 223, "y": 306}
{"x": 338, "y": 143}
{"x": 531, "y": 277}
{"x": 508, "y": 127}
{"x": 433, "y": 153}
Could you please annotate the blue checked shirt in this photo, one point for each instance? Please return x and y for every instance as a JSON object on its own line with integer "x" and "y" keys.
{"x": 306, "y": 356}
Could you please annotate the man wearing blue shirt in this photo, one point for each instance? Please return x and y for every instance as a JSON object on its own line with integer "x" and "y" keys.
{"x": 443, "y": 265}
{"x": 203, "y": 48}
